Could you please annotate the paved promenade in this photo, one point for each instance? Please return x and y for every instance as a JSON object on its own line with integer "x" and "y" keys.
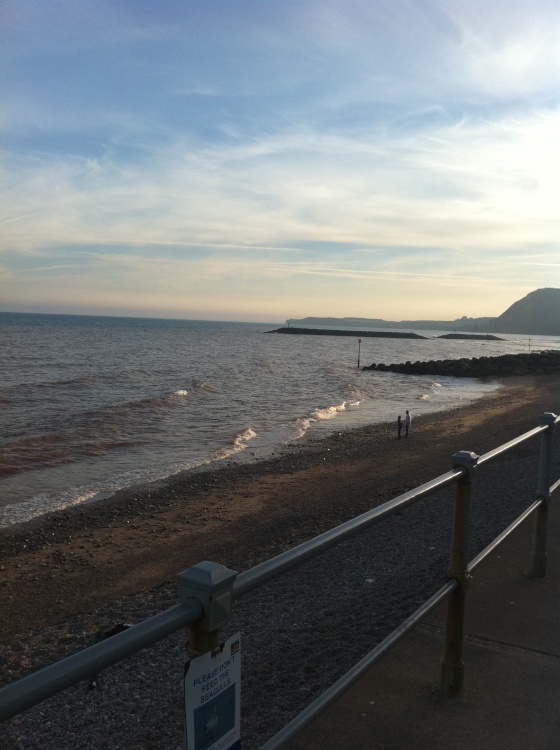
{"x": 511, "y": 698}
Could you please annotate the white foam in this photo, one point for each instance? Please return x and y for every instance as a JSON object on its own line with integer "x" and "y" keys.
{"x": 239, "y": 443}
{"x": 318, "y": 415}
{"x": 181, "y": 392}
{"x": 328, "y": 412}
{"x": 244, "y": 437}
{"x": 41, "y": 504}
{"x": 302, "y": 425}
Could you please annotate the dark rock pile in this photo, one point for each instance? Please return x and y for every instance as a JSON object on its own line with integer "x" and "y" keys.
{"x": 471, "y": 336}
{"x": 536, "y": 363}
{"x": 349, "y": 332}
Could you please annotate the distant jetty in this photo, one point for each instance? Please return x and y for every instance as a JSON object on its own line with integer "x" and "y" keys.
{"x": 471, "y": 336}
{"x": 354, "y": 334}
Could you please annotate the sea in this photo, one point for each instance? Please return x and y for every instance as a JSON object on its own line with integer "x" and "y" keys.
{"x": 91, "y": 405}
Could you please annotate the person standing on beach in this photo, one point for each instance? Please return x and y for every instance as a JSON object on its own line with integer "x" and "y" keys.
{"x": 407, "y": 421}
{"x": 399, "y": 427}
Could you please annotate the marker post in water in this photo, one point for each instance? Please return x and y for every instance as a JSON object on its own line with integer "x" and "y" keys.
{"x": 359, "y": 347}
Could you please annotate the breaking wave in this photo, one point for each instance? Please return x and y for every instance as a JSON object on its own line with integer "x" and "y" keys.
{"x": 328, "y": 412}
{"x": 320, "y": 414}
{"x": 48, "y": 503}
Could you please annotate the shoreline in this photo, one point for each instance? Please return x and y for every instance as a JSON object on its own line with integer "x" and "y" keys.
{"x": 35, "y": 501}
{"x": 71, "y": 579}
{"x": 156, "y": 489}
{"x": 241, "y": 513}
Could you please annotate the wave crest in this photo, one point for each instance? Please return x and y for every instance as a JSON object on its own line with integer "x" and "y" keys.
{"x": 244, "y": 437}
{"x": 328, "y": 412}
{"x": 318, "y": 415}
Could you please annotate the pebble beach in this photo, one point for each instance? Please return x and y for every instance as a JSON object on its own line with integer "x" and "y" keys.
{"x": 69, "y": 578}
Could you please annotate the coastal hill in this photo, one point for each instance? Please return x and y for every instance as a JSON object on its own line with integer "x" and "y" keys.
{"x": 537, "y": 314}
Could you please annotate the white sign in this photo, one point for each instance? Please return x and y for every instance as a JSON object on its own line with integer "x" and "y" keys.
{"x": 213, "y": 698}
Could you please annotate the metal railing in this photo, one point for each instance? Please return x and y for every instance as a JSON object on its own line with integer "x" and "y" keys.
{"x": 207, "y": 592}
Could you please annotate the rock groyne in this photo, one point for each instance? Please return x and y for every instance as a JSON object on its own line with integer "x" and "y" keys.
{"x": 471, "y": 336}
{"x": 536, "y": 363}
{"x": 348, "y": 332}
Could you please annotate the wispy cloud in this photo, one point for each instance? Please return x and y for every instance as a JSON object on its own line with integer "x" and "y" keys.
{"x": 327, "y": 151}
{"x": 476, "y": 182}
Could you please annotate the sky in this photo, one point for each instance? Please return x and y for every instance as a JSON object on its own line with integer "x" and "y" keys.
{"x": 258, "y": 160}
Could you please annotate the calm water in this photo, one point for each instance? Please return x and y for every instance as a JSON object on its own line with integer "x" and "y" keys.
{"x": 93, "y": 404}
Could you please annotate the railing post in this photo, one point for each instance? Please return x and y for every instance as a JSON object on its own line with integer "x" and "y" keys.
{"x": 212, "y": 585}
{"x": 452, "y": 667}
{"x": 539, "y": 555}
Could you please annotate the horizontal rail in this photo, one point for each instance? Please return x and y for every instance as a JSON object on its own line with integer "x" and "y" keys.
{"x": 57, "y": 677}
{"x": 320, "y": 704}
{"x": 511, "y": 444}
{"x": 270, "y": 569}
{"x": 317, "y": 707}
{"x": 475, "y": 562}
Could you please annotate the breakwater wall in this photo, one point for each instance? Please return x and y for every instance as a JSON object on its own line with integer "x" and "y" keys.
{"x": 354, "y": 334}
{"x": 535, "y": 363}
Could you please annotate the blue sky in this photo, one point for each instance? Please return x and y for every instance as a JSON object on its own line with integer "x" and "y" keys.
{"x": 259, "y": 160}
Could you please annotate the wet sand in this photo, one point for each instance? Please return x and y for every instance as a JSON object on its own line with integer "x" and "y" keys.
{"x": 73, "y": 562}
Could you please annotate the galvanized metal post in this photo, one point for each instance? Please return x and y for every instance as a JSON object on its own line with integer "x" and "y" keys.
{"x": 539, "y": 555}
{"x": 452, "y": 667}
{"x": 212, "y": 585}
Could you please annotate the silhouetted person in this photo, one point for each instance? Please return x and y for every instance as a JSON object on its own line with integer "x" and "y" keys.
{"x": 399, "y": 427}
{"x": 407, "y": 421}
